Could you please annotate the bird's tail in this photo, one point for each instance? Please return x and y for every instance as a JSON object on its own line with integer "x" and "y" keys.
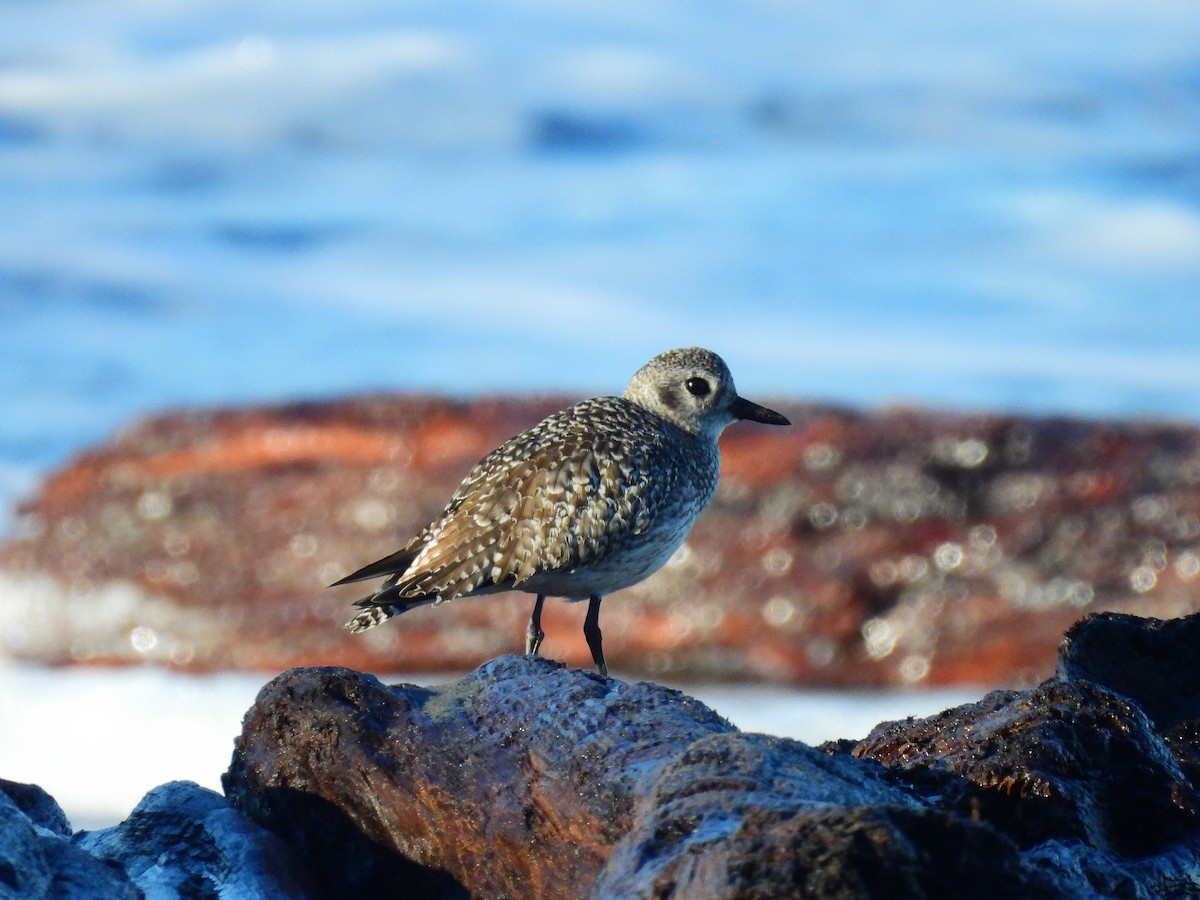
{"x": 372, "y": 616}
{"x": 381, "y": 606}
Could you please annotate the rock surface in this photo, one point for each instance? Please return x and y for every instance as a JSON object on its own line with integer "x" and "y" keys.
{"x": 748, "y": 815}
{"x": 530, "y": 779}
{"x": 37, "y": 858}
{"x": 515, "y": 781}
{"x": 180, "y": 841}
{"x": 852, "y": 548}
{"x": 1027, "y": 761}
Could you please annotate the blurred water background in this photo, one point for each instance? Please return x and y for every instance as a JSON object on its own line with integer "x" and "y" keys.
{"x": 992, "y": 205}
{"x": 989, "y": 205}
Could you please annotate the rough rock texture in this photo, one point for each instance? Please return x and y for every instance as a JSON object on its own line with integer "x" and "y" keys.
{"x": 1152, "y": 662}
{"x": 1027, "y": 761}
{"x": 895, "y": 547}
{"x": 35, "y": 804}
{"x": 752, "y": 816}
{"x": 515, "y": 781}
{"x": 37, "y": 858}
{"x": 527, "y": 778}
{"x": 182, "y": 840}
{"x": 530, "y": 779}
{"x": 830, "y": 852}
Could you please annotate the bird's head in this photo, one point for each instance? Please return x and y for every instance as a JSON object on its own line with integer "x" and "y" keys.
{"x": 693, "y": 388}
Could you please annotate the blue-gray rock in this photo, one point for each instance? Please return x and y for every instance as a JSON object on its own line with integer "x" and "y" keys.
{"x": 42, "y": 809}
{"x": 183, "y": 840}
{"x": 752, "y": 816}
{"x": 37, "y": 860}
{"x": 528, "y": 778}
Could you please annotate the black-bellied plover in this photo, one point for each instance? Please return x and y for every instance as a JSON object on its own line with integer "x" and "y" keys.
{"x": 590, "y": 500}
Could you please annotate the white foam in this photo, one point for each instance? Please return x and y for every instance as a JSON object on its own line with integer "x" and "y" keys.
{"x": 43, "y": 617}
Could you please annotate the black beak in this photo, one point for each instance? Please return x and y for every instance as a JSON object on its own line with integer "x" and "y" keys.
{"x": 744, "y": 409}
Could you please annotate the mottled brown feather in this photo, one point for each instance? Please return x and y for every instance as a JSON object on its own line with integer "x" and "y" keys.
{"x": 592, "y": 499}
{"x": 550, "y": 499}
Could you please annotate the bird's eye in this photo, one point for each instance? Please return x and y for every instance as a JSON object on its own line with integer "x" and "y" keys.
{"x": 697, "y": 387}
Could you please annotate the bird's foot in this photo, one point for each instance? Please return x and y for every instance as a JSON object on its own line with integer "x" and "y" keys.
{"x": 533, "y": 642}
{"x": 533, "y": 631}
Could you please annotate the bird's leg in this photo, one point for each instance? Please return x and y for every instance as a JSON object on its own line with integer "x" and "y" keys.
{"x": 533, "y": 631}
{"x": 591, "y": 631}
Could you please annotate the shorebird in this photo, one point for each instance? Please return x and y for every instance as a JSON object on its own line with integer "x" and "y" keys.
{"x": 590, "y": 500}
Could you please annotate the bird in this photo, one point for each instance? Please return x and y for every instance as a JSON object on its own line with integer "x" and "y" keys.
{"x": 591, "y": 500}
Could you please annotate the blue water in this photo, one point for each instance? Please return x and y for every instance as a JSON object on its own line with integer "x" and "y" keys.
{"x": 992, "y": 205}
{"x": 987, "y": 205}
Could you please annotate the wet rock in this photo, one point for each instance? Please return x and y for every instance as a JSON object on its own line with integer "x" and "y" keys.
{"x": 182, "y": 840}
{"x": 1067, "y": 760}
{"x": 527, "y": 778}
{"x": 853, "y": 548}
{"x": 746, "y": 815}
{"x": 1096, "y": 793}
{"x": 37, "y": 860}
{"x": 834, "y": 852}
{"x": 515, "y": 781}
{"x": 39, "y": 807}
{"x": 1150, "y": 661}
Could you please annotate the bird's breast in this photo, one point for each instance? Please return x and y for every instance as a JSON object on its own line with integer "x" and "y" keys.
{"x": 622, "y": 566}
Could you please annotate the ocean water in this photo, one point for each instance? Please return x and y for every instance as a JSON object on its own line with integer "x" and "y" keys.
{"x": 988, "y": 205}
{"x": 994, "y": 205}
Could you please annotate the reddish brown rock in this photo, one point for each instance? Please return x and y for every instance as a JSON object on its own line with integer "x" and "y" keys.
{"x": 852, "y": 548}
{"x": 514, "y": 782}
{"x": 1066, "y": 760}
{"x": 528, "y": 778}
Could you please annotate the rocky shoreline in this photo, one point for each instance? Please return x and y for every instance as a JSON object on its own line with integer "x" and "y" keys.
{"x": 530, "y": 778}
{"x": 854, "y": 548}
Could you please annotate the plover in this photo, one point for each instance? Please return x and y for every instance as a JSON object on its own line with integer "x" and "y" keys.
{"x": 590, "y": 500}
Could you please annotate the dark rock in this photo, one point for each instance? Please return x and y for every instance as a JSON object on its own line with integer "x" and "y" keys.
{"x": 527, "y": 778}
{"x": 41, "y": 809}
{"x": 1078, "y": 775}
{"x": 36, "y": 861}
{"x": 182, "y": 840}
{"x": 80, "y": 876}
{"x": 892, "y": 547}
{"x": 1066, "y": 760}
{"x": 751, "y": 816}
{"x": 834, "y": 853}
{"x": 1154, "y": 663}
{"x": 515, "y": 781}
{"x": 24, "y": 870}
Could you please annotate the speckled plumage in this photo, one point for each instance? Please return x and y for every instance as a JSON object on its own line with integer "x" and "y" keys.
{"x": 590, "y": 500}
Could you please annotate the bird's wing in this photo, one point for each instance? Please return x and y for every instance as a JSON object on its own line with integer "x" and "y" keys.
{"x": 552, "y": 498}
{"x": 392, "y": 564}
